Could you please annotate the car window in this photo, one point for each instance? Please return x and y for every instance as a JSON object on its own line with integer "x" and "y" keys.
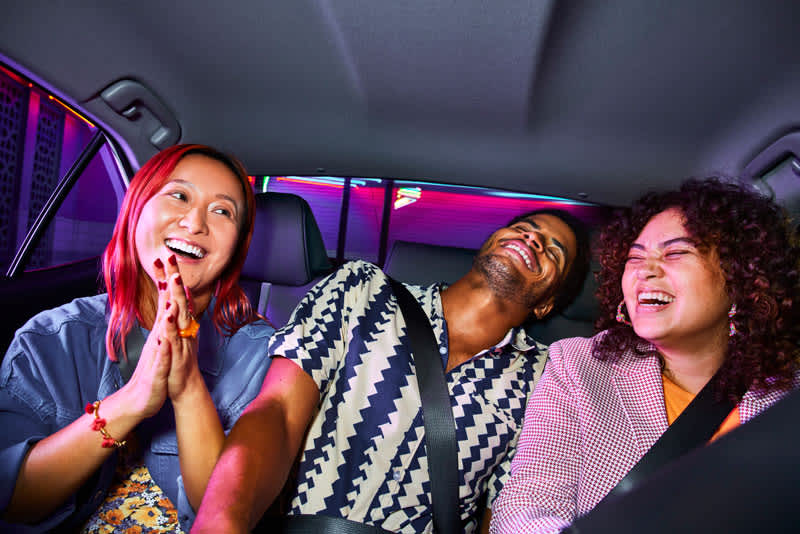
{"x": 41, "y": 137}
{"x": 416, "y": 211}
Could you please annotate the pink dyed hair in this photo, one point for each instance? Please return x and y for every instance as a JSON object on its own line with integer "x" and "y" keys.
{"x": 124, "y": 277}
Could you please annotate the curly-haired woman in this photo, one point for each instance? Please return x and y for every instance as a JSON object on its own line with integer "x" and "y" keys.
{"x": 696, "y": 283}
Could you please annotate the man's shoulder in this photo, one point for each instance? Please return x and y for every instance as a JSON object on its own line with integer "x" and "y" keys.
{"x": 360, "y": 272}
{"x": 352, "y": 274}
{"x": 361, "y": 267}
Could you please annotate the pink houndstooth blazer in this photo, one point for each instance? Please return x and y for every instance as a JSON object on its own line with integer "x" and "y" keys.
{"x": 586, "y": 425}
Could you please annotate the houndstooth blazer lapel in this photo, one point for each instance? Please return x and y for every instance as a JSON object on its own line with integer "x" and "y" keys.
{"x": 641, "y": 394}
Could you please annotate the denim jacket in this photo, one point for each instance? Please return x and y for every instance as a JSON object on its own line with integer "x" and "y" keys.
{"x": 57, "y": 363}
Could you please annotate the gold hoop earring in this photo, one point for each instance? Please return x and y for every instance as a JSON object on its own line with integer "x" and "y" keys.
{"x": 621, "y": 315}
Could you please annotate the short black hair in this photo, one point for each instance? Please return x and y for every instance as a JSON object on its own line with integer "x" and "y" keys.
{"x": 573, "y": 282}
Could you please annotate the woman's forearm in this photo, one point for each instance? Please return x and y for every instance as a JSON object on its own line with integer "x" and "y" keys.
{"x": 56, "y": 467}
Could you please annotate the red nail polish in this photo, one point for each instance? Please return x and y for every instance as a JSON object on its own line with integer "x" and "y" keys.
{"x": 178, "y": 280}
{"x": 172, "y": 260}
{"x": 171, "y": 319}
{"x": 162, "y": 285}
{"x": 158, "y": 263}
{"x": 167, "y": 306}
{"x": 159, "y": 341}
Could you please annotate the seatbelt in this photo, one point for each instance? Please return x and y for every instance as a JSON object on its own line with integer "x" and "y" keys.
{"x": 134, "y": 343}
{"x": 694, "y": 427}
{"x": 263, "y": 298}
{"x": 315, "y": 524}
{"x": 440, "y": 428}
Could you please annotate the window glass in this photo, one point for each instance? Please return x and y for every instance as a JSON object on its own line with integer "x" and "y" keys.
{"x": 85, "y": 220}
{"x": 461, "y": 216}
{"x": 40, "y": 139}
{"x": 421, "y": 212}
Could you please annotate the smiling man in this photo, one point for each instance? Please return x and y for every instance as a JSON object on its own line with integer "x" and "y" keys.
{"x": 342, "y": 388}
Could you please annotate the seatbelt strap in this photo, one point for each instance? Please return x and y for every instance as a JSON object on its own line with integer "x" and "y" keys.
{"x": 134, "y": 343}
{"x": 693, "y": 427}
{"x": 263, "y": 298}
{"x": 437, "y": 415}
{"x": 316, "y": 524}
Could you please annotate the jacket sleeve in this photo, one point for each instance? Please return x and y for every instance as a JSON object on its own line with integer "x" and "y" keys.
{"x": 540, "y": 496}
{"x": 23, "y": 426}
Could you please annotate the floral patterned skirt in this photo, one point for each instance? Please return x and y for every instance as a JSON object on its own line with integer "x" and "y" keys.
{"x": 134, "y": 505}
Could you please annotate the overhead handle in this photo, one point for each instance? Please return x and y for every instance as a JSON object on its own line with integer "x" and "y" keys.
{"x": 133, "y": 101}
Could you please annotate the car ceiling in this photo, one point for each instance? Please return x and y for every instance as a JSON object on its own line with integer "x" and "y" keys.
{"x": 596, "y": 100}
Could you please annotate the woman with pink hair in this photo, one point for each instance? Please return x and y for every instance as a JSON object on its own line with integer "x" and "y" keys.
{"x": 114, "y": 407}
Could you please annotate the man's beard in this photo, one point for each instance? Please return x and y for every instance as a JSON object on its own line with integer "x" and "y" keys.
{"x": 505, "y": 281}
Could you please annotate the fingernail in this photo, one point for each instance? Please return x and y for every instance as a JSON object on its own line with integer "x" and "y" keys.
{"x": 178, "y": 280}
{"x": 162, "y": 285}
{"x": 158, "y": 263}
{"x": 167, "y": 306}
{"x": 172, "y": 260}
{"x": 171, "y": 319}
{"x": 159, "y": 341}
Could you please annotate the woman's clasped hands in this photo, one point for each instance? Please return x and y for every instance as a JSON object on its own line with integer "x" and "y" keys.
{"x": 167, "y": 366}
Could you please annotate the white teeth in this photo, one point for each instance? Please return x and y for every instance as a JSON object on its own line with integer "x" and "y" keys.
{"x": 185, "y": 247}
{"x": 659, "y": 297}
{"x": 522, "y": 253}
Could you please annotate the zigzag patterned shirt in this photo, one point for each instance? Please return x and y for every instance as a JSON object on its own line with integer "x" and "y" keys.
{"x": 364, "y": 457}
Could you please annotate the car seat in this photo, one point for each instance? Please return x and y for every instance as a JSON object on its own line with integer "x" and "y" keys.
{"x": 422, "y": 264}
{"x": 287, "y": 256}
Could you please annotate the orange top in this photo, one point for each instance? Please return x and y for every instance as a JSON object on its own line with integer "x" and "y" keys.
{"x": 676, "y": 399}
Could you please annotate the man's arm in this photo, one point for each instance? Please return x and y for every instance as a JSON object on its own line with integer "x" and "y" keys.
{"x": 259, "y": 451}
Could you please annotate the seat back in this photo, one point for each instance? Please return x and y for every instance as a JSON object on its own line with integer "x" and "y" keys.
{"x": 576, "y": 320}
{"x": 287, "y": 256}
{"x": 421, "y": 263}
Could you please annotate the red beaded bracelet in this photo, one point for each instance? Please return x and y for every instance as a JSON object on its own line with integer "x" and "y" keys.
{"x": 99, "y": 424}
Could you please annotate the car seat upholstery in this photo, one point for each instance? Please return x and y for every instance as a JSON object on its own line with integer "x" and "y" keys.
{"x": 576, "y": 320}
{"x": 419, "y": 263}
{"x": 422, "y": 264}
{"x": 287, "y": 256}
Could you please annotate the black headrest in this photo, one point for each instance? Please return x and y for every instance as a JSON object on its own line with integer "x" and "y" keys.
{"x": 287, "y": 246}
{"x": 420, "y": 263}
{"x": 585, "y": 306}
{"x": 577, "y": 319}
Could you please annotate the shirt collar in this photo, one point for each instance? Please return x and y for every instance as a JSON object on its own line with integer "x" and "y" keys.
{"x": 517, "y": 337}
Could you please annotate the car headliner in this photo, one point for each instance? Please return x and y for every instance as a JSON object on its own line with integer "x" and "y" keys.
{"x": 589, "y": 100}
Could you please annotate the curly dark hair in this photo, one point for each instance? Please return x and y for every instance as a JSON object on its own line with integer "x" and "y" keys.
{"x": 760, "y": 258}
